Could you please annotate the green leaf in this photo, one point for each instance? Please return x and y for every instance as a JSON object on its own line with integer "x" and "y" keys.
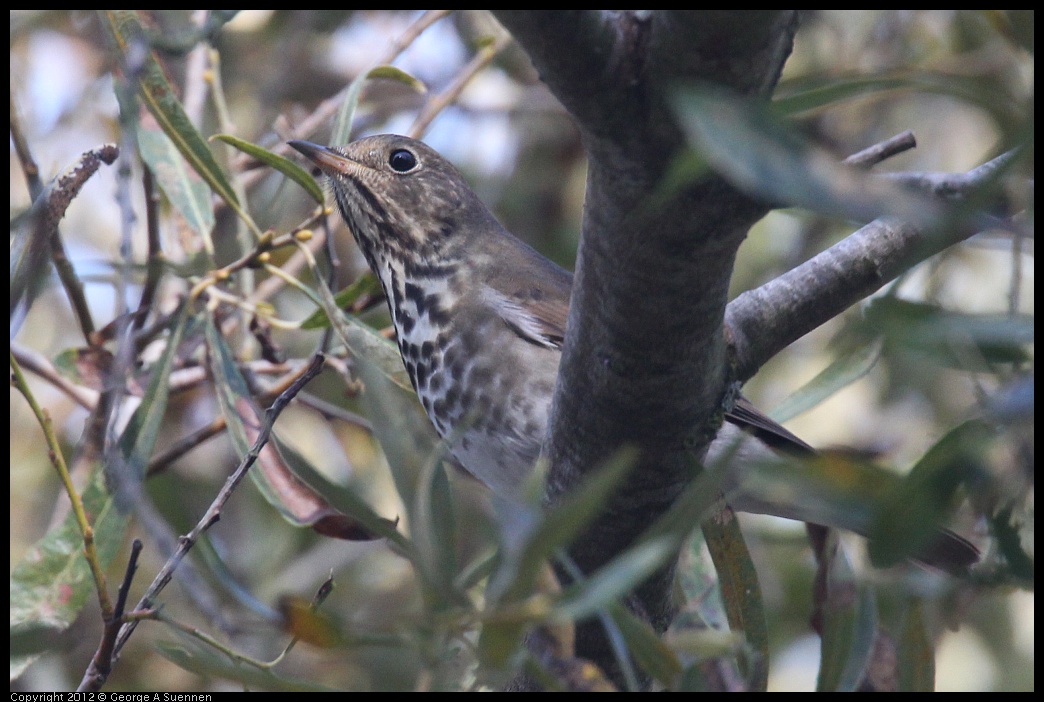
{"x": 834, "y": 489}
{"x": 846, "y": 369}
{"x": 139, "y": 438}
{"x": 702, "y": 608}
{"x": 51, "y": 584}
{"x": 952, "y": 339}
{"x": 813, "y": 92}
{"x": 210, "y": 663}
{"x": 916, "y": 652}
{"x": 849, "y": 627}
{"x": 284, "y": 165}
{"x": 913, "y": 509}
{"x": 756, "y": 152}
{"x": 407, "y": 437}
{"x": 433, "y": 526}
{"x": 647, "y": 647}
{"x": 189, "y": 195}
{"x": 363, "y": 341}
{"x": 160, "y": 98}
{"x": 345, "y": 116}
{"x": 796, "y": 96}
{"x": 616, "y": 578}
{"x": 530, "y": 539}
{"x": 529, "y": 546}
{"x": 740, "y": 591}
{"x": 367, "y": 284}
{"x": 284, "y": 477}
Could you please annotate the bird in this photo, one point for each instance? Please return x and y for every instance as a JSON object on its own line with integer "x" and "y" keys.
{"x": 480, "y": 318}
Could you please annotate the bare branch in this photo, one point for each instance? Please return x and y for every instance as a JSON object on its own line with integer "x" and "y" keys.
{"x": 953, "y": 185}
{"x": 879, "y": 152}
{"x": 764, "y": 321}
{"x": 213, "y": 513}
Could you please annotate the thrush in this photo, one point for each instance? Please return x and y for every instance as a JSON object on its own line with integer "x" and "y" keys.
{"x": 480, "y": 319}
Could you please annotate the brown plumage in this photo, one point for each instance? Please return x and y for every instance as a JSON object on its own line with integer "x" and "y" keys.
{"x": 480, "y": 316}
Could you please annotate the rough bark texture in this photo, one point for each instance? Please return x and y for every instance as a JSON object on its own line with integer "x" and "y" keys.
{"x": 644, "y": 359}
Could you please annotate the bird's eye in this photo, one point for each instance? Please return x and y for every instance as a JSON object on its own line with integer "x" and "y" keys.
{"x": 402, "y": 160}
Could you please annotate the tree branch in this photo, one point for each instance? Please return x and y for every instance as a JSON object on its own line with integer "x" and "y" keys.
{"x": 764, "y": 321}
{"x": 644, "y": 356}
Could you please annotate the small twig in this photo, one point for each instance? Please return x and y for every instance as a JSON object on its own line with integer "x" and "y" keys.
{"x": 101, "y": 664}
{"x": 154, "y": 267}
{"x": 877, "y": 153}
{"x": 180, "y": 380}
{"x": 128, "y": 578}
{"x": 218, "y": 425}
{"x": 295, "y": 263}
{"x": 58, "y": 461}
{"x": 1015, "y": 287}
{"x": 332, "y": 411}
{"x": 48, "y": 209}
{"x": 25, "y": 156}
{"x": 213, "y": 513}
{"x": 953, "y": 185}
{"x": 196, "y": 86}
{"x": 188, "y": 378}
{"x": 181, "y": 447}
{"x": 40, "y": 366}
{"x": 329, "y": 107}
{"x": 451, "y": 93}
{"x": 412, "y": 32}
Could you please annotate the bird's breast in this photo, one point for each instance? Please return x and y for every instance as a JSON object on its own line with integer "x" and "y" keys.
{"x": 486, "y": 390}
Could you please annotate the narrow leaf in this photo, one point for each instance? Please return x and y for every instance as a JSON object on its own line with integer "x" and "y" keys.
{"x": 648, "y": 649}
{"x": 758, "y": 153}
{"x": 913, "y": 510}
{"x": 617, "y": 578}
{"x": 367, "y": 284}
{"x": 212, "y": 663}
{"x": 405, "y": 434}
{"x": 434, "y": 528}
{"x": 527, "y": 547}
{"x": 797, "y": 96}
{"x": 951, "y": 338}
{"x": 849, "y": 628}
{"x": 285, "y": 478}
{"x": 345, "y": 116}
{"x": 160, "y": 98}
{"x": 813, "y": 92}
{"x": 363, "y": 341}
{"x": 835, "y": 489}
{"x": 284, "y": 165}
{"x": 51, "y": 584}
{"x": 189, "y": 195}
{"x": 531, "y": 538}
{"x": 139, "y": 438}
{"x": 916, "y": 652}
{"x": 740, "y": 591}
{"x": 846, "y": 369}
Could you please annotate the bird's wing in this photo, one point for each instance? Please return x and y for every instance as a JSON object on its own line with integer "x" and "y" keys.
{"x": 752, "y": 420}
{"x": 531, "y": 294}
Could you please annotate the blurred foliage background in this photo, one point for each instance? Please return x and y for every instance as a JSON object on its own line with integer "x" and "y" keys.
{"x": 964, "y": 86}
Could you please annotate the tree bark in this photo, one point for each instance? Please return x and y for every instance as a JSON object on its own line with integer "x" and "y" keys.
{"x": 644, "y": 359}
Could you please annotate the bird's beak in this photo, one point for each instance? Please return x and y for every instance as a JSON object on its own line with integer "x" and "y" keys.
{"x": 329, "y": 161}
